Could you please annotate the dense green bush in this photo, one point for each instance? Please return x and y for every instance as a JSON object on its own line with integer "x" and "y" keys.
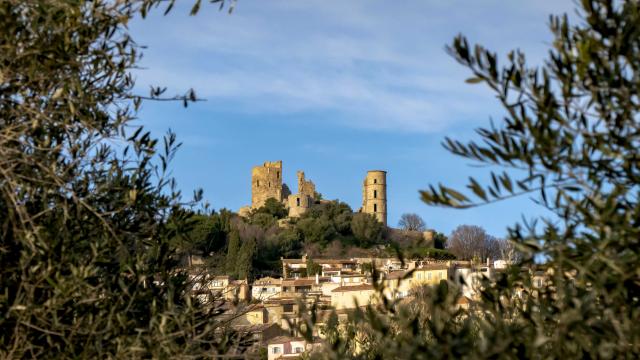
{"x": 89, "y": 265}
{"x": 271, "y": 207}
{"x": 366, "y": 229}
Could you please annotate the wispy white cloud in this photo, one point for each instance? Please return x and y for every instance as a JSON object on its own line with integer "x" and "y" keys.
{"x": 364, "y": 64}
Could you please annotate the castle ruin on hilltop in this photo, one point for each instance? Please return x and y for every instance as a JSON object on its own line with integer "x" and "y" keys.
{"x": 266, "y": 182}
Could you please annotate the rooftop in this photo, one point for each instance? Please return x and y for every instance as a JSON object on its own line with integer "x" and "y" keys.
{"x": 433, "y": 267}
{"x": 395, "y": 275}
{"x": 320, "y": 261}
{"x": 284, "y": 339}
{"x": 268, "y": 281}
{"x": 362, "y": 287}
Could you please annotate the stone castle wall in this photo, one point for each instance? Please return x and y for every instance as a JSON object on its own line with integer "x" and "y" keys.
{"x": 298, "y": 204}
{"x": 266, "y": 182}
{"x": 305, "y": 187}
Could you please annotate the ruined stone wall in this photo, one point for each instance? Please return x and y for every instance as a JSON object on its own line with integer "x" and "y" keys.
{"x": 298, "y": 204}
{"x": 374, "y": 195}
{"x": 305, "y": 187}
{"x": 304, "y": 199}
{"x": 266, "y": 182}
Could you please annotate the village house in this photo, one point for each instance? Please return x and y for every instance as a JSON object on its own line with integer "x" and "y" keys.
{"x": 396, "y": 286}
{"x": 307, "y": 286}
{"x": 295, "y": 268}
{"x": 285, "y": 347}
{"x": 349, "y": 279}
{"x": 282, "y": 311}
{"x": 353, "y": 296}
{"x": 342, "y": 280}
{"x": 430, "y": 274}
{"x": 256, "y": 314}
{"x": 470, "y": 277}
{"x": 258, "y": 334}
{"x": 399, "y": 284}
{"x": 208, "y": 287}
{"x": 266, "y": 288}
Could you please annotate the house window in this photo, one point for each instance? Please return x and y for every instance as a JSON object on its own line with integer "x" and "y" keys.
{"x": 429, "y": 276}
{"x": 288, "y": 308}
{"x": 276, "y": 350}
{"x": 297, "y": 350}
{"x": 297, "y": 201}
{"x": 375, "y": 207}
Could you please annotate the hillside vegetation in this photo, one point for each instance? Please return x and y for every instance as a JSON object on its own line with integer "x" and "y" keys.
{"x": 253, "y": 246}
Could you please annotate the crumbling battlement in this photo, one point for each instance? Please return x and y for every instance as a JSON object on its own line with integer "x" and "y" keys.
{"x": 305, "y": 187}
{"x": 298, "y": 204}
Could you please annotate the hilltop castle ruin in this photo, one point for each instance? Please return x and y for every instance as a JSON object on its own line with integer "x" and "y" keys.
{"x": 266, "y": 182}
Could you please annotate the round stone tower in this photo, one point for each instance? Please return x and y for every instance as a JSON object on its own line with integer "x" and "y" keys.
{"x": 374, "y": 195}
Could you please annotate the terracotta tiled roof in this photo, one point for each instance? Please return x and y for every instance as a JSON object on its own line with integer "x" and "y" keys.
{"x": 334, "y": 261}
{"x": 278, "y": 301}
{"x": 433, "y": 267}
{"x": 283, "y": 340}
{"x": 298, "y": 282}
{"x": 362, "y": 287}
{"x": 463, "y": 300}
{"x": 268, "y": 281}
{"x": 394, "y": 275}
{"x": 320, "y": 261}
{"x": 331, "y": 269}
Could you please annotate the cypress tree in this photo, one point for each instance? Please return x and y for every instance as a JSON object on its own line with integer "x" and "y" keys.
{"x": 232, "y": 252}
{"x": 244, "y": 262}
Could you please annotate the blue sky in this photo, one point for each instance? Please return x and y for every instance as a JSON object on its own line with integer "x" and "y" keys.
{"x": 334, "y": 88}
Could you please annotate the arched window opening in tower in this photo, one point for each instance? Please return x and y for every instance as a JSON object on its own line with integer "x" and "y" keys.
{"x": 375, "y": 207}
{"x": 375, "y": 194}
